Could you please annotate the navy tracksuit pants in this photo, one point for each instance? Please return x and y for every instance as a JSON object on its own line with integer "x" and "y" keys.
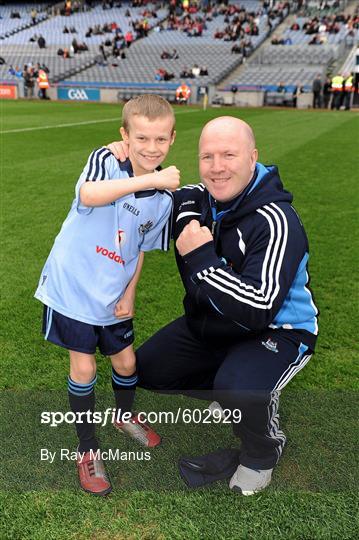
{"x": 248, "y": 375}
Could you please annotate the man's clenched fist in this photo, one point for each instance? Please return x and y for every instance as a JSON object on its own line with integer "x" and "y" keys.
{"x": 192, "y": 237}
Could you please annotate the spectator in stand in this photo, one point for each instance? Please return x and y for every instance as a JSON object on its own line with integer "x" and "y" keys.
{"x": 276, "y": 41}
{"x": 15, "y": 71}
{"x": 186, "y": 74}
{"x": 33, "y": 16}
{"x": 163, "y": 75}
{"x": 327, "y": 92}
{"x": 75, "y": 46}
{"x": 68, "y": 7}
{"x": 314, "y": 41}
{"x": 128, "y": 39}
{"x": 196, "y": 70}
{"x": 97, "y": 31}
{"x": 102, "y": 51}
{"x": 237, "y": 49}
{"x": 41, "y": 42}
{"x": 204, "y": 71}
{"x": 317, "y": 92}
{"x": 281, "y": 87}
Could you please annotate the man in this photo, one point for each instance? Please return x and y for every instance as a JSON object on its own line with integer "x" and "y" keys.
{"x": 317, "y": 92}
{"x": 250, "y": 323}
{"x": 337, "y": 91}
{"x": 43, "y": 82}
{"x": 327, "y": 92}
{"x": 183, "y": 93}
{"x": 348, "y": 89}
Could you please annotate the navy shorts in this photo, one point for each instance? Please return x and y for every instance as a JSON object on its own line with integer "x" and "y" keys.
{"x": 82, "y": 337}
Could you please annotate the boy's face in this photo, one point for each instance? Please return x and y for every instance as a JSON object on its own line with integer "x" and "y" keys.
{"x": 148, "y": 142}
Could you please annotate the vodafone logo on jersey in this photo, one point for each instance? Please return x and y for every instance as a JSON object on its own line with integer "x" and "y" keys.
{"x": 112, "y": 255}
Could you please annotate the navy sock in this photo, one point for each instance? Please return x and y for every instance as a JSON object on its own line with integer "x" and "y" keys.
{"x": 82, "y": 399}
{"x": 124, "y": 388}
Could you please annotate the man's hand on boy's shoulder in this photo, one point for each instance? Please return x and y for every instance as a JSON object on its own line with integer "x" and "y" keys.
{"x": 119, "y": 149}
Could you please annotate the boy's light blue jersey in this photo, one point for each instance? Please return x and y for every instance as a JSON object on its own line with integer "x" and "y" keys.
{"x": 95, "y": 254}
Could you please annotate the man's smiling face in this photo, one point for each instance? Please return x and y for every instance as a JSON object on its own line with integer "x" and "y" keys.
{"x": 227, "y": 157}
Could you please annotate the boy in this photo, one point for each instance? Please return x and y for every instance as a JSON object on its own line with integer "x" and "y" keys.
{"x": 89, "y": 279}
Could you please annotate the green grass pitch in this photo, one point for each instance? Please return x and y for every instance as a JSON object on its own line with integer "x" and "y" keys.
{"x": 314, "y": 490}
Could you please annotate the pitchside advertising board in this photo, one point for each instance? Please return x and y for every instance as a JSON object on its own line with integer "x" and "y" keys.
{"x": 78, "y": 94}
{"x": 7, "y": 92}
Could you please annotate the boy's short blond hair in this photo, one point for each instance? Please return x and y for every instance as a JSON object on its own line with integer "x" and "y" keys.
{"x": 150, "y": 106}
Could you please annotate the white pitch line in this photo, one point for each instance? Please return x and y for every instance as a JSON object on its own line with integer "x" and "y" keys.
{"x": 21, "y": 130}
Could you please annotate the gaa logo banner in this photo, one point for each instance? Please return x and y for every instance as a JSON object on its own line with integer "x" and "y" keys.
{"x": 78, "y": 94}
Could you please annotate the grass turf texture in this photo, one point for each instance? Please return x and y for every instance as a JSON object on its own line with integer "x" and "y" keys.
{"x": 313, "y": 493}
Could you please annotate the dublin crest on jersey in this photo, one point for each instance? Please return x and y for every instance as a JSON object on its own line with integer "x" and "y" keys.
{"x": 145, "y": 227}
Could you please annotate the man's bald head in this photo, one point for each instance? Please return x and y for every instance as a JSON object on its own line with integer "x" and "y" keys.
{"x": 227, "y": 157}
{"x": 229, "y": 125}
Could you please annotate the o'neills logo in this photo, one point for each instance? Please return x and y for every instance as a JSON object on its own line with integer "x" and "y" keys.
{"x": 110, "y": 254}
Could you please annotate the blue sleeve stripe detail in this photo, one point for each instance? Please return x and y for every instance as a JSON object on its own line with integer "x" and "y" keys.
{"x": 298, "y": 309}
{"x": 103, "y": 174}
{"x": 97, "y": 164}
{"x": 91, "y": 164}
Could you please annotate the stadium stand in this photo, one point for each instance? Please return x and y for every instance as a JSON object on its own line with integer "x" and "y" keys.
{"x": 22, "y": 48}
{"x": 17, "y": 17}
{"x": 143, "y": 58}
{"x": 246, "y": 43}
{"x": 291, "y": 60}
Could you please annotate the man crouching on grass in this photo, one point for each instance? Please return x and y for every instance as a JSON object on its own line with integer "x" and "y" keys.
{"x": 90, "y": 277}
{"x": 249, "y": 323}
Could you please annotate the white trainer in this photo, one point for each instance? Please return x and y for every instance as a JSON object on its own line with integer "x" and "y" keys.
{"x": 216, "y": 410}
{"x": 249, "y": 481}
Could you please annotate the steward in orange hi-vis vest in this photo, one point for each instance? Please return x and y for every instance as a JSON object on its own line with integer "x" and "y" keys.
{"x": 43, "y": 82}
{"x": 183, "y": 93}
{"x": 42, "y": 79}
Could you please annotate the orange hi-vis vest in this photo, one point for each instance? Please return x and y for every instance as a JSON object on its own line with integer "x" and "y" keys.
{"x": 183, "y": 91}
{"x": 348, "y": 84}
{"x": 337, "y": 83}
{"x": 42, "y": 79}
